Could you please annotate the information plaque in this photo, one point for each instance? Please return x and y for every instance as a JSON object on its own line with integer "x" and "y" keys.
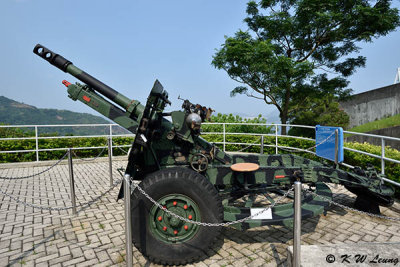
{"x": 325, "y": 142}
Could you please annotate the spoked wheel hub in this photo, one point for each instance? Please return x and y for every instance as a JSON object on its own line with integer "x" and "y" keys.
{"x": 169, "y": 228}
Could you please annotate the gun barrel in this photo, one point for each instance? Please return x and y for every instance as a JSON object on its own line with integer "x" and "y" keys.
{"x": 67, "y": 66}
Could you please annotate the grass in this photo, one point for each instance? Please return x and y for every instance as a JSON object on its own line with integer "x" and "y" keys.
{"x": 378, "y": 124}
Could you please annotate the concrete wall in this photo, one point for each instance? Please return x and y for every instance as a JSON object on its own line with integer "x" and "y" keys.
{"x": 373, "y": 105}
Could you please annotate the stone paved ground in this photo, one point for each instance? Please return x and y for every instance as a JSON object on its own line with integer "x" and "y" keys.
{"x": 95, "y": 237}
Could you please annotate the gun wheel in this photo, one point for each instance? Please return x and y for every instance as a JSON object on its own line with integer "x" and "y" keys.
{"x": 171, "y": 229}
{"x": 165, "y": 239}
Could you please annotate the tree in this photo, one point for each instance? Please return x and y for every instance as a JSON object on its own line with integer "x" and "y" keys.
{"x": 290, "y": 46}
{"x": 324, "y": 111}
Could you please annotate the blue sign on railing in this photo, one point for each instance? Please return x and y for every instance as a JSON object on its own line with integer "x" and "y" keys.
{"x": 325, "y": 142}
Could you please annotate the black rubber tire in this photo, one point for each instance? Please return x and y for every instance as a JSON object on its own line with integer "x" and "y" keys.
{"x": 179, "y": 181}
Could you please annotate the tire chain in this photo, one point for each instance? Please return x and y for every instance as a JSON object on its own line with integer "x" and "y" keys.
{"x": 32, "y": 175}
{"x": 353, "y": 209}
{"x": 61, "y": 208}
{"x": 101, "y": 153}
{"x": 209, "y": 224}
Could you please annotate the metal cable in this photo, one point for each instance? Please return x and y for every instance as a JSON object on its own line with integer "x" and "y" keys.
{"x": 32, "y": 175}
{"x": 101, "y": 153}
{"x": 122, "y": 150}
{"x": 61, "y": 208}
{"x": 310, "y": 148}
{"x": 247, "y": 146}
{"x": 210, "y": 224}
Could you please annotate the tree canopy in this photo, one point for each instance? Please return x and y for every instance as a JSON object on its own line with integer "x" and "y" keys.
{"x": 324, "y": 111}
{"x": 297, "y": 51}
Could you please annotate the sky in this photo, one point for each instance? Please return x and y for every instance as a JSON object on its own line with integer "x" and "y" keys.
{"x": 128, "y": 44}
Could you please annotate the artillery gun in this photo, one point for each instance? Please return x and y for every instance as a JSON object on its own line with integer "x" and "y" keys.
{"x": 196, "y": 180}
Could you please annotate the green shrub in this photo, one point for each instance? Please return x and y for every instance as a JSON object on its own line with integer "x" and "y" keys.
{"x": 392, "y": 170}
{"x": 234, "y": 128}
{"x": 9, "y": 145}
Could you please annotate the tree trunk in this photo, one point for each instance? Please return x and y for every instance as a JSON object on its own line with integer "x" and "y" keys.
{"x": 283, "y": 128}
{"x": 285, "y": 111}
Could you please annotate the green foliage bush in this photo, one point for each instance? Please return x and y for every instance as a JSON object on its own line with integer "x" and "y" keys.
{"x": 392, "y": 170}
{"x": 209, "y": 131}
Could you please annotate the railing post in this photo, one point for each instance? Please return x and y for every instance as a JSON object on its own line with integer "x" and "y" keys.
{"x": 71, "y": 181}
{"x": 128, "y": 220}
{"x": 37, "y": 143}
{"x": 383, "y": 156}
{"x": 224, "y": 134}
{"x": 111, "y": 138}
{"x": 109, "y": 143}
{"x": 276, "y": 139}
{"x": 336, "y": 152}
{"x": 336, "y": 148}
{"x": 297, "y": 224}
{"x": 262, "y": 145}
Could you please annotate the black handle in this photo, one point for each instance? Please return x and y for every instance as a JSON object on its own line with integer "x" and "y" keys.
{"x": 53, "y": 58}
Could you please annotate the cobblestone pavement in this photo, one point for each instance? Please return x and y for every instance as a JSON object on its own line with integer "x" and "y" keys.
{"x": 95, "y": 237}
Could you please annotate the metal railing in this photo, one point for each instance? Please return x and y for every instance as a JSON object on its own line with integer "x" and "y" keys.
{"x": 37, "y": 137}
{"x": 275, "y": 128}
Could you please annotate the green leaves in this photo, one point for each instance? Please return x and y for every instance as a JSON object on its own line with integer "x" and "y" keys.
{"x": 239, "y": 90}
{"x": 290, "y": 43}
{"x": 324, "y": 111}
{"x": 10, "y": 145}
{"x": 347, "y": 67}
{"x": 232, "y": 130}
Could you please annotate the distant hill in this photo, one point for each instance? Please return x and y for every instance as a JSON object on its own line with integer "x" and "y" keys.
{"x": 13, "y": 112}
{"x": 16, "y": 113}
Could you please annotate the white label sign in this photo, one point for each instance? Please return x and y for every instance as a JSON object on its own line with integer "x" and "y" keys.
{"x": 262, "y": 216}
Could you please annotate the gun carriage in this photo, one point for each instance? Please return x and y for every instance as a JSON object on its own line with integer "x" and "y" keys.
{"x": 196, "y": 180}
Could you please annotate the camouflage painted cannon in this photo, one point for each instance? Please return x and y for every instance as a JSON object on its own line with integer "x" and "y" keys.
{"x": 196, "y": 180}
